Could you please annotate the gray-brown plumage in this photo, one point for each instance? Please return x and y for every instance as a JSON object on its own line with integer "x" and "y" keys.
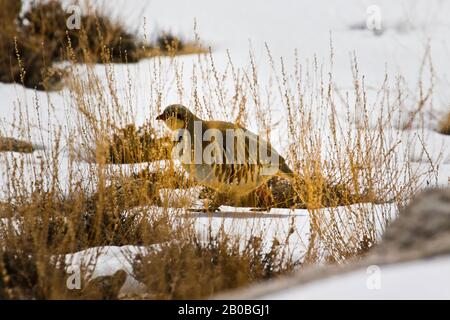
{"x": 237, "y": 172}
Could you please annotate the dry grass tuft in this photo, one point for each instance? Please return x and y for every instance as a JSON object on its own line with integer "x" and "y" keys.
{"x": 11, "y": 144}
{"x": 131, "y": 145}
{"x": 195, "y": 270}
{"x": 31, "y": 43}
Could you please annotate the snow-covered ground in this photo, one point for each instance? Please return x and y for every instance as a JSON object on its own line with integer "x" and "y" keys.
{"x": 423, "y": 279}
{"x": 409, "y": 27}
{"x": 105, "y": 261}
{"x": 239, "y": 223}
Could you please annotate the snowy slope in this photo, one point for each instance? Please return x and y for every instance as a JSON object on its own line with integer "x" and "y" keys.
{"x": 424, "y": 279}
{"x": 409, "y": 26}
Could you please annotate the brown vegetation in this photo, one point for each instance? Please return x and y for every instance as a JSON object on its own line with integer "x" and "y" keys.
{"x": 32, "y": 42}
{"x": 11, "y": 144}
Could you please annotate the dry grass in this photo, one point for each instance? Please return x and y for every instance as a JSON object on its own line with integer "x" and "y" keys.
{"x": 31, "y": 43}
{"x": 193, "y": 269}
{"x": 131, "y": 145}
{"x": 340, "y": 158}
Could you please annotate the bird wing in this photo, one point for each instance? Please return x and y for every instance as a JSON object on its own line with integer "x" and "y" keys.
{"x": 239, "y": 153}
{"x": 251, "y": 158}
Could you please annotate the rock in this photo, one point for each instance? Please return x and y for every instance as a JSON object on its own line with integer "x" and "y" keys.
{"x": 422, "y": 229}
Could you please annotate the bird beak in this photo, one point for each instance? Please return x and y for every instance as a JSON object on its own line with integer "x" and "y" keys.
{"x": 160, "y": 117}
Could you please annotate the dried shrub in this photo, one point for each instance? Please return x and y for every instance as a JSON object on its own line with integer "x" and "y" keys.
{"x": 11, "y": 144}
{"x": 98, "y": 39}
{"x": 169, "y": 43}
{"x": 131, "y": 145}
{"x": 30, "y": 43}
{"x": 194, "y": 270}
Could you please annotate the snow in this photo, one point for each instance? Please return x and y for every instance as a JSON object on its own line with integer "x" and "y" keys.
{"x": 409, "y": 28}
{"x": 105, "y": 261}
{"x": 238, "y": 223}
{"x": 423, "y": 279}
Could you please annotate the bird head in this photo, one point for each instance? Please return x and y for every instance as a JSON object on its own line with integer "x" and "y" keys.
{"x": 177, "y": 116}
